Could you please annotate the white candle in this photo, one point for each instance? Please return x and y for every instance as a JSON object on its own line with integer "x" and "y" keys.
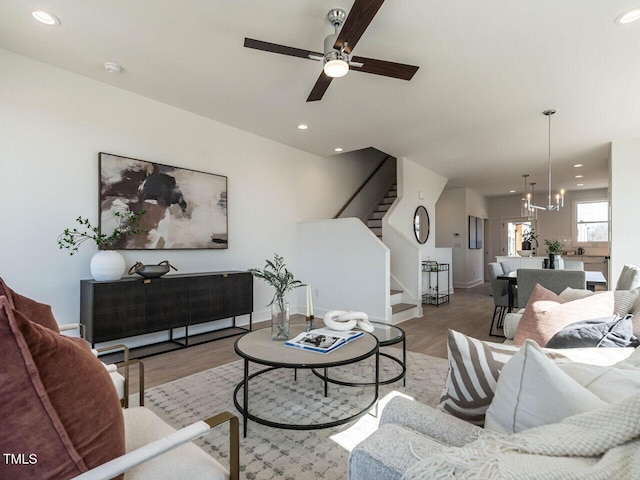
{"x": 308, "y": 305}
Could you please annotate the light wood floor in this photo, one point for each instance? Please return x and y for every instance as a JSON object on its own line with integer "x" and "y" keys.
{"x": 469, "y": 312}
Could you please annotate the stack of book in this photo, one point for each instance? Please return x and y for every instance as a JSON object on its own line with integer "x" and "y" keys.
{"x": 322, "y": 340}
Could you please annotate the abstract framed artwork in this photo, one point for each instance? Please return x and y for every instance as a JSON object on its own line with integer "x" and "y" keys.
{"x": 184, "y": 209}
{"x": 472, "y": 232}
{"x": 475, "y": 232}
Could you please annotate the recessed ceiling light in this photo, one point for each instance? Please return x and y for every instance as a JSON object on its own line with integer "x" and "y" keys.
{"x": 579, "y": 184}
{"x": 629, "y": 16}
{"x": 46, "y": 17}
{"x": 579, "y": 176}
{"x": 112, "y": 68}
{"x": 577, "y": 165}
{"x": 338, "y": 149}
{"x": 302, "y": 126}
{"x": 512, "y": 191}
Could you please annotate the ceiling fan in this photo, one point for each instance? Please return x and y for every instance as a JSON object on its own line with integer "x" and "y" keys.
{"x": 338, "y": 46}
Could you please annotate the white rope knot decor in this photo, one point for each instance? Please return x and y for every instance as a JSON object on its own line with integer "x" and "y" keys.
{"x": 342, "y": 320}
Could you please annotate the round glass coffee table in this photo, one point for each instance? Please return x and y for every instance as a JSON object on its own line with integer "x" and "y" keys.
{"x": 258, "y": 348}
{"x": 387, "y": 335}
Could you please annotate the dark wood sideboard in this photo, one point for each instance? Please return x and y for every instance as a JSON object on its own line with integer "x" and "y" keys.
{"x": 137, "y": 306}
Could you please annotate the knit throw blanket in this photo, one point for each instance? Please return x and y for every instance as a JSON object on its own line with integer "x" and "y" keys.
{"x": 600, "y": 444}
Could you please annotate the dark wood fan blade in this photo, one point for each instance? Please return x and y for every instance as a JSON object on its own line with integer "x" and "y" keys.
{"x": 320, "y": 87}
{"x": 359, "y": 18}
{"x": 384, "y": 68}
{"x": 281, "y": 49}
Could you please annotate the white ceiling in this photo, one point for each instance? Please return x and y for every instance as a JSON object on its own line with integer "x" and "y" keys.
{"x": 472, "y": 113}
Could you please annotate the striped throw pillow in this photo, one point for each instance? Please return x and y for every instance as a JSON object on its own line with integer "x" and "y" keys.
{"x": 475, "y": 365}
{"x": 624, "y": 301}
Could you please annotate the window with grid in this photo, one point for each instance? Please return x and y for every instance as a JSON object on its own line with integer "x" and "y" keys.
{"x": 592, "y": 221}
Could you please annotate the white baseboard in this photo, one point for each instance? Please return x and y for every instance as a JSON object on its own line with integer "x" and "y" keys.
{"x": 473, "y": 283}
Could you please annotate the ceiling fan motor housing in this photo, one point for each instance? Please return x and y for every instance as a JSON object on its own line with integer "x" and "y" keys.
{"x": 336, "y": 17}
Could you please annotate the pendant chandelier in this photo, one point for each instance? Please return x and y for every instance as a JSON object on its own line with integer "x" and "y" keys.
{"x": 560, "y": 196}
{"x": 529, "y": 208}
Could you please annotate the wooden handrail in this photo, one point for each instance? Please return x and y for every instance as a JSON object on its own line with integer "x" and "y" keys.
{"x": 344, "y": 207}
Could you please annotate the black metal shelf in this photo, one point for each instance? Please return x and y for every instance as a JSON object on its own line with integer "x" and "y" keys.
{"x": 433, "y": 296}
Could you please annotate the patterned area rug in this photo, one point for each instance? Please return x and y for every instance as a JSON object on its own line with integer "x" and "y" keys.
{"x": 273, "y": 453}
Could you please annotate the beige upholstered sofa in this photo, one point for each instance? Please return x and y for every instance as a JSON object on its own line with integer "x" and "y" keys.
{"x": 516, "y": 393}
{"x": 411, "y": 434}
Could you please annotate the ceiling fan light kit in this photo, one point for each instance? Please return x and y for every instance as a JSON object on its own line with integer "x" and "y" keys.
{"x": 336, "y": 67}
{"x": 338, "y": 46}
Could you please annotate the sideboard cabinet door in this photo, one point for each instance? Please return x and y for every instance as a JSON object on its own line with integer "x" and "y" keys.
{"x": 166, "y": 304}
{"x": 238, "y": 292}
{"x": 112, "y": 310}
{"x": 206, "y": 299}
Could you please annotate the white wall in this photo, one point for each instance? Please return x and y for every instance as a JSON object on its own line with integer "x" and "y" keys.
{"x": 53, "y": 124}
{"x": 367, "y": 199}
{"x": 453, "y": 231}
{"x": 453, "y": 210}
{"x": 625, "y": 198}
{"x": 415, "y": 181}
{"x": 476, "y": 205}
{"x": 346, "y": 265}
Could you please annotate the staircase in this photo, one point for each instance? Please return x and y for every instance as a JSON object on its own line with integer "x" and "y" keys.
{"x": 399, "y": 311}
{"x": 374, "y": 222}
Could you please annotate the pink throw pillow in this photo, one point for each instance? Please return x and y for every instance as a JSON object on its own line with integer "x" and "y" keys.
{"x": 57, "y": 402}
{"x": 546, "y": 314}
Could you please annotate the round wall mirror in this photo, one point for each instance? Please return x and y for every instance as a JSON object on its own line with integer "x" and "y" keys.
{"x": 421, "y": 224}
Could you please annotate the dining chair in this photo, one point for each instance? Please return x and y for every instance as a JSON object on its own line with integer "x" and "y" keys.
{"x": 573, "y": 265}
{"x": 500, "y": 293}
{"x": 554, "y": 280}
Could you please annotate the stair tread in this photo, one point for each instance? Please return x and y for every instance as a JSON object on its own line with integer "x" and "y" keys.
{"x": 401, "y": 307}
{"x": 394, "y": 292}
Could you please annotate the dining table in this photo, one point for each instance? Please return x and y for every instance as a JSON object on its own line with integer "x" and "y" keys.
{"x": 592, "y": 278}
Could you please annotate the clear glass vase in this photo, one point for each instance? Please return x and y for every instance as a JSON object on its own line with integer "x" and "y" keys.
{"x": 279, "y": 320}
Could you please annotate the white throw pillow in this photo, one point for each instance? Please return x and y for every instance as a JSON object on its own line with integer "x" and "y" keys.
{"x": 610, "y": 384}
{"x": 533, "y": 391}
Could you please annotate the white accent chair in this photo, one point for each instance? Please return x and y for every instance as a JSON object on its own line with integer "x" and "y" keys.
{"x": 156, "y": 451}
{"x": 120, "y": 382}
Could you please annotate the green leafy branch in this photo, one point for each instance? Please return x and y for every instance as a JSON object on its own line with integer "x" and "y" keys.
{"x": 553, "y": 246}
{"x": 276, "y": 274}
{"x": 128, "y": 223}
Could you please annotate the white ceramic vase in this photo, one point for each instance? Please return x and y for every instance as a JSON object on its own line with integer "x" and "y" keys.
{"x": 107, "y": 265}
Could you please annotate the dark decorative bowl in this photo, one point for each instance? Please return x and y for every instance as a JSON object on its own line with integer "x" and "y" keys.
{"x": 151, "y": 271}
